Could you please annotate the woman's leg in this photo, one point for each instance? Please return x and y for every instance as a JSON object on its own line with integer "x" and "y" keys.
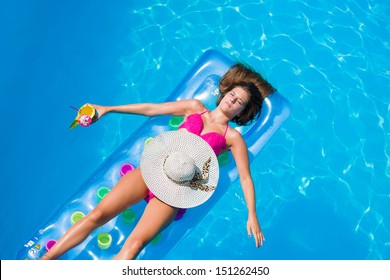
{"x": 156, "y": 217}
{"x": 129, "y": 190}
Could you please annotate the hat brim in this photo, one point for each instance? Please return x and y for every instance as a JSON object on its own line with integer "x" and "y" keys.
{"x": 152, "y": 160}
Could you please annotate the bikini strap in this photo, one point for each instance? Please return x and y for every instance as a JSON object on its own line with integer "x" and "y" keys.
{"x": 226, "y": 129}
{"x": 204, "y": 112}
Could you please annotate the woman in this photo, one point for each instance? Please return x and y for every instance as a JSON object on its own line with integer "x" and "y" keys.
{"x": 242, "y": 91}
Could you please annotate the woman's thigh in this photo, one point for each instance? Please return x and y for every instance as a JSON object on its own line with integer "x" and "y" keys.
{"x": 157, "y": 216}
{"x": 129, "y": 190}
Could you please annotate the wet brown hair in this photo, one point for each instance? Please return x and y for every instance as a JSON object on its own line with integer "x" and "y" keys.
{"x": 240, "y": 75}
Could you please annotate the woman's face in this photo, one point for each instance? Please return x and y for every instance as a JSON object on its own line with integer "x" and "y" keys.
{"x": 234, "y": 102}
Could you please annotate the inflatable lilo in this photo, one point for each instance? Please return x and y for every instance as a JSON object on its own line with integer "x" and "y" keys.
{"x": 200, "y": 83}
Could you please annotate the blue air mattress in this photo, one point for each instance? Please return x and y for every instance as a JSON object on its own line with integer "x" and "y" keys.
{"x": 201, "y": 82}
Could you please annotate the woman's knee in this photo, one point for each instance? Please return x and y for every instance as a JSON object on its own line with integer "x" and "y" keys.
{"x": 97, "y": 217}
{"x": 137, "y": 245}
{"x": 131, "y": 248}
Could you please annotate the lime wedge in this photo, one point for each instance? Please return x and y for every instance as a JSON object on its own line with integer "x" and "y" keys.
{"x": 74, "y": 124}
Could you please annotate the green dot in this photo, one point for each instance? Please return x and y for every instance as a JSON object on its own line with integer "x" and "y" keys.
{"x": 102, "y": 192}
{"x": 104, "y": 240}
{"x": 147, "y": 141}
{"x": 156, "y": 239}
{"x": 175, "y": 122}
{"x": 76, "y": 216}
{"x": 223, "y": 158}
{"x": 128, "y": 216}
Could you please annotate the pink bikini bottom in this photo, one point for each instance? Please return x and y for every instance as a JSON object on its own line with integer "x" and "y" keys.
{"x": 179, "y": 214}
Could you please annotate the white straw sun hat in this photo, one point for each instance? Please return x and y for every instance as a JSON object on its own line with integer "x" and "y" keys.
{"x": 180, "y": 168}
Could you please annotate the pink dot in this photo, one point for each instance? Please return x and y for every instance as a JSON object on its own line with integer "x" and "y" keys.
{"x": 50, "y": 244}
{"x": 127, "y": 167}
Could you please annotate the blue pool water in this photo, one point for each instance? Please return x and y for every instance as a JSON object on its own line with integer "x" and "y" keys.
{"x": 323, "y": 180}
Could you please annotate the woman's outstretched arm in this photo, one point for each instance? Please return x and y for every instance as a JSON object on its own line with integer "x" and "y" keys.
{"x": 176, "y": 108}
{"x": 240, "y": 154}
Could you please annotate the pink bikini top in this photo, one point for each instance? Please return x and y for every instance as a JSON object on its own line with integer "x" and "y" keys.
{"x": 194, "y": 124}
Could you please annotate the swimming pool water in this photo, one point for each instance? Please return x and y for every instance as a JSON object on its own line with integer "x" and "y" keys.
{"x": 323, "y": 180}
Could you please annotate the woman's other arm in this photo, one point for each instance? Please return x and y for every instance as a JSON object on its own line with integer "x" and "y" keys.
{"x": 240, "y": 155}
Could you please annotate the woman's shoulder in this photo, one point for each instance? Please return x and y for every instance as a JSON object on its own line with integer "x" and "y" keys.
{"x": 195, "y": 106}
{"x": 233, "y": 137}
